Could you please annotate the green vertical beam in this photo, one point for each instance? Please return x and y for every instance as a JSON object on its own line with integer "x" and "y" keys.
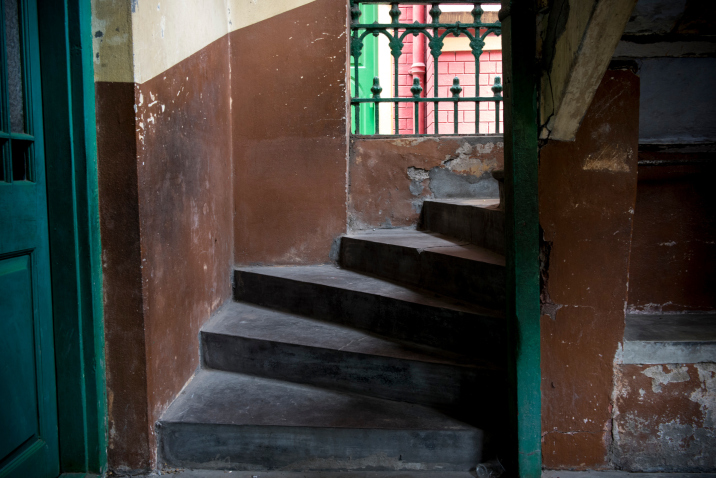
{"x": 70, "y": 136}
{"x": 522, "y": 230}
{"x": 83, "y": 94}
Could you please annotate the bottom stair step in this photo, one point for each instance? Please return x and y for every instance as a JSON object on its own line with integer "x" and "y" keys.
{"x": 223, "y": 420}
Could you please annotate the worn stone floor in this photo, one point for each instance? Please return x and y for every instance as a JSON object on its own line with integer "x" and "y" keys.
{"x": 411, "y": 474}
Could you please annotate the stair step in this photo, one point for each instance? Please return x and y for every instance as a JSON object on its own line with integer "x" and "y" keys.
{"x": 429, "y": 260}
{"x": 478, "y": 221}
{"x": 223, "y": 420}
{"x": 373, "y": 304}
{"x": 257, "y": 341}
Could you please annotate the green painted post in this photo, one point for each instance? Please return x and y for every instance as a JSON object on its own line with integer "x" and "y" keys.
{"x": 68, "y": 103}
{"x": 522, "y": 231}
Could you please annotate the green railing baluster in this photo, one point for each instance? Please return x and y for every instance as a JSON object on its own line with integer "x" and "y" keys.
{"x": 436, "y": 46}
{"x": 376, "y": 89}
{"x": 415, "y": 90}
{"x": 396, "y": 49}
{"x": 497, "y": 89}
{"x": 455, "y": 89}
{"x": 477, "y": 53}
{"x": 356, "y": 49}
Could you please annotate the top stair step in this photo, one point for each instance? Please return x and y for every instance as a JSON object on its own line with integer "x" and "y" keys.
{"x": 429, "y": 260}
{"x": 478, "y": 221}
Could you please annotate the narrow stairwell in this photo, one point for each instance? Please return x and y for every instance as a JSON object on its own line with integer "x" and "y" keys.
{"x": 392, "y": 361}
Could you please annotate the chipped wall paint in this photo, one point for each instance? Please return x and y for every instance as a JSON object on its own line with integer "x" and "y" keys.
{"x": 665, "y": 418}
{"x": 389, "y": 178}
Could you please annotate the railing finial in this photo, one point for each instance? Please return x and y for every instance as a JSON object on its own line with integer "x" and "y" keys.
{"x": 395, "y": 12}
{"x": 456, "y": 89}
{"x": 376, "y": 89}
{"x": 416, "y": 88}
{"x": 497, "y": 87}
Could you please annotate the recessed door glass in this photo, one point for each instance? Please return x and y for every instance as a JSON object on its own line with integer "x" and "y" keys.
{"x": 13, "y": 52}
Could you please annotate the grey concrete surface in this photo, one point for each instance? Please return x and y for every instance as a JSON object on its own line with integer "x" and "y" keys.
{"x": 184, "y": 473}
{"x": 254, "y": 340}
{"x": 429, "y": 260}
{"x": 669, "y": 338}
{"x": 620, "y": 474}
{"x": 224, "y": 420}
{"x": 377, "y": 305}
{"x": 477, "y": 221}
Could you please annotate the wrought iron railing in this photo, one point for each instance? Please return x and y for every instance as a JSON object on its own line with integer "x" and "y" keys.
{"x": 435, "y": 32}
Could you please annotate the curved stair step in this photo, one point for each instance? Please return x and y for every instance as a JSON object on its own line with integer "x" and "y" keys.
{"x": 377, "y": 305}
{"x": 429, "y": 260}
{"x": 223, "y": 420}
{"x": 478, "y": 221}
{"x": 257, "y": 341}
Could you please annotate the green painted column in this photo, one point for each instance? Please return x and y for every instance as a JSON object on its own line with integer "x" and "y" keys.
{"x": 522, "y": 229}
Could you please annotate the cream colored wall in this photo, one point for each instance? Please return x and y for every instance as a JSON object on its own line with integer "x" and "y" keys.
{"x": 112, "y": 40}
{"x": 166, "y": 32}
{"x": 138, "y": 40}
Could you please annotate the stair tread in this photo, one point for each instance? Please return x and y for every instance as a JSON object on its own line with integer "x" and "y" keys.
{"x": 261, "y": 323}
{"x": 484, "y": 203}
{"x": 332, "y": 276}
{"x": 224, "y": 398}
{"x": 432, "y": 242}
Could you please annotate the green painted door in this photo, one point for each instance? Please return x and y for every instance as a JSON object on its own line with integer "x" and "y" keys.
{"x": 28, "y": 411}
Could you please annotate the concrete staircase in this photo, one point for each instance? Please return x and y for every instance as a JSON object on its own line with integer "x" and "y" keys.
{"x": 392, "y": 361}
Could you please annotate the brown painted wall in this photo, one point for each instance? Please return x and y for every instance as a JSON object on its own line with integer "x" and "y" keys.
{"x": 289, "y": 134}
{"x": 664, "y": 418}
{"x": 166, "y": 216}
{"x": 184, "y": 163}
{"x": 125, "y": 355}
{"x": 673, "y": 266}
{"x": 390, "y": 177}
{"x": 587, "y": 194}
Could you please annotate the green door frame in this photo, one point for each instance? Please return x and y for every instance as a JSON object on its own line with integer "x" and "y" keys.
{"x": 518, "y": 19}
{"x": 67, "y": 76}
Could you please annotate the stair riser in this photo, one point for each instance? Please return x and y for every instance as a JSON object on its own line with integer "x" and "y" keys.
{"x": 458, "y": 331}
{"x": 480, "y": 226}
{"x": 377, "y": 376}
{"x": 254, "y": 448}
{"x": 474, "y": 281}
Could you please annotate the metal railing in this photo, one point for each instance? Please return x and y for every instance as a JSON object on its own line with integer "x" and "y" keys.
{"x": 435, "y": 32}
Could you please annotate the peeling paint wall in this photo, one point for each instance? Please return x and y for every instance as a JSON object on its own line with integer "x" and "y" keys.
{"x": 665, "y": 418}
{"x": 289, "y": 134}
{"x": 389, "y": 178}
{"x": 164, "y": 160}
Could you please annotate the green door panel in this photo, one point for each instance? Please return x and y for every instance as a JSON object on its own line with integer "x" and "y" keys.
{"x": 18, "y": 413}
{"x": 28, "y": 411}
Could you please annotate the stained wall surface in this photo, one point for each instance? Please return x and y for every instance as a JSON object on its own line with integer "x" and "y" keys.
{"x": 288, "y": 76}
{"x": 587, "y": 194}
{"x": 170, "y": 136}
{"x": 389, "y": 178}
{"x": 673, "y": 266}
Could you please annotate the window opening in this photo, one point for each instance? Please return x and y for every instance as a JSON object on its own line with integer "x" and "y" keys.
{"x": 425, "y": 68}
{"x": 16, "y": 140}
